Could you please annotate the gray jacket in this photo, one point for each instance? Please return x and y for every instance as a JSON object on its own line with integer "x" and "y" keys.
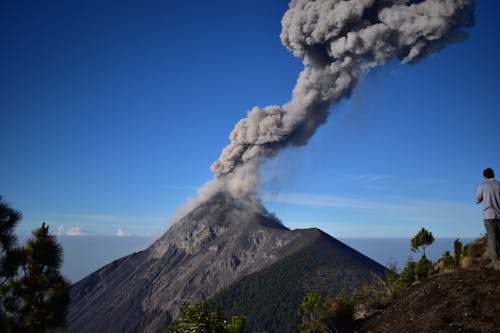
{"x": 489, "y": 194}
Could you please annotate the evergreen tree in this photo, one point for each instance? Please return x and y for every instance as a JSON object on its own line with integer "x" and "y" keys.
{"x": 332, "y": 315}
{"x": 421, "y": 240}
{"x": 10, "y": 258}
{"x": 457, "y": 251}
{"x": 33, "y": 294}
{"x": 238, "y": 325}
{"x": 311, "y": 309}
{"x": 198, "y": 318}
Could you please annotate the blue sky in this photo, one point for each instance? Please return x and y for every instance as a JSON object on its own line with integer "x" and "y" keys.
{"x": 112, "y": 113}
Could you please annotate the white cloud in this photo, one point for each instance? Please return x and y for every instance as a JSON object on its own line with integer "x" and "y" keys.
{"x": 74, "y": 231}
{"x": 109, "y": 224}
{"x": 120, "y": 233}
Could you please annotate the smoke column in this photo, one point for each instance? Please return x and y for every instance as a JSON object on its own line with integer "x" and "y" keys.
{"x": 337, "y": 40}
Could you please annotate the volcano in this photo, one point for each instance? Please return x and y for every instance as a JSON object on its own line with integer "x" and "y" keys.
{"x": 220, "y": 242}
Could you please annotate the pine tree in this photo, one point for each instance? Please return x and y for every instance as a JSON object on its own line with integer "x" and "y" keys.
{"x": 10, "y": 257}
{"x": 238, "y": 325}
{"x": 311, "y": 309}
{"x": 34, "y": 296}
{"x": 457, "y": 251}
{"x": 421, "y": 240}
{"x": 198, "y": 319}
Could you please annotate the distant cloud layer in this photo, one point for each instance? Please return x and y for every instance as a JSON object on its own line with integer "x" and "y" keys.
{"x": 111, "y": 225}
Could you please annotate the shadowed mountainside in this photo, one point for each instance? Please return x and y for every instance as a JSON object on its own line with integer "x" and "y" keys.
{"x": 271, "y": 297}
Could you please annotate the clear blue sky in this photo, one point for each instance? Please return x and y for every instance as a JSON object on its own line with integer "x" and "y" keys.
{"x": 112, "y": 112}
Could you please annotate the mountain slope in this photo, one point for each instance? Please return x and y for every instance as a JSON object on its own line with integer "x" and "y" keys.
{"x": 220, "y": 241}
{"x": 463, "y": 300}
{"x": 271, "y": 297}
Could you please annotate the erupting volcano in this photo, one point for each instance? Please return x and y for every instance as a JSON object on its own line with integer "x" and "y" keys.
{"x": 226, "y": 234}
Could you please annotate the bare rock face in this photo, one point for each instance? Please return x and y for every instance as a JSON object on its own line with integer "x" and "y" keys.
{"x": 218, "y": 242}
{"x": 222, "y": 240}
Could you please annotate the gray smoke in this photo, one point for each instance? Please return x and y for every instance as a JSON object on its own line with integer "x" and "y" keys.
{"x": 338, "y": 40}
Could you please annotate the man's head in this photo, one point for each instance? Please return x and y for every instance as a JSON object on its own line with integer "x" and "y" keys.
{"x": 488, "y": 173}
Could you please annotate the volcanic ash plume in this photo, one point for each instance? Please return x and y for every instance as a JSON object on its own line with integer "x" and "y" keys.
{"x": 337, "y": 40}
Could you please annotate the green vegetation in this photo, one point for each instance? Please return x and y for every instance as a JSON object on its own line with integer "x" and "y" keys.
{"x": 422, "y": 268}
{"x": 33, "y": 294}
{"x": 457, "y": 251}
{"x": 200, "y": 318}
{"x": 408, "y": 275}
{"x": 377, "y": 295}
{"x": 332, "y": 315}
{"x": 421, "y": 240}
{"x": 451, "y": 262}
{"x": 270, "y": 297}
{"x": 311, "y": 310}
{"x": 238, "y": 325}
{"x": 448, "y": 260}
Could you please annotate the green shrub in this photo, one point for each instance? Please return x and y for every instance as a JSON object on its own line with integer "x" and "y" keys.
{"x": 408, "y": 276}
{"x": 334, "y": 315}
{"x": 423, "y": 268}
{"x": 449, "y": 262}
{"x": 238, "y": 325}
{"x": 457, "y": 251}
{"x": 198, "y": 318}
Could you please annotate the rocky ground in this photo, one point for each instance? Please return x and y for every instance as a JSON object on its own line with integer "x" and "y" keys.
{"x": 464, "y": 300}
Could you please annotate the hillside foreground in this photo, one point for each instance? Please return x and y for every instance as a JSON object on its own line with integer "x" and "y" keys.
{"x": 463, "y": 300}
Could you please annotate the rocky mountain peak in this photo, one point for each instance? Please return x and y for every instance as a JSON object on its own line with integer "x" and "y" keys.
{"x": 214, "y": 217}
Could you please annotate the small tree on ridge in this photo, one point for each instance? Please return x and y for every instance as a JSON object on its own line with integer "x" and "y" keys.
{"x": 421, "y": 240}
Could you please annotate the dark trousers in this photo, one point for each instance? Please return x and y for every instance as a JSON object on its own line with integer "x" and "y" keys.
{"x": 493, "y": 236}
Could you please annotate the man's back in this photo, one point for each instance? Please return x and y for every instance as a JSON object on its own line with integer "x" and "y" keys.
{"x": 489, "y": 193}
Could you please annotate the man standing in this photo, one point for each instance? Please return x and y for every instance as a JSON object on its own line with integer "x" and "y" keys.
{"x": 489, "y": 193}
